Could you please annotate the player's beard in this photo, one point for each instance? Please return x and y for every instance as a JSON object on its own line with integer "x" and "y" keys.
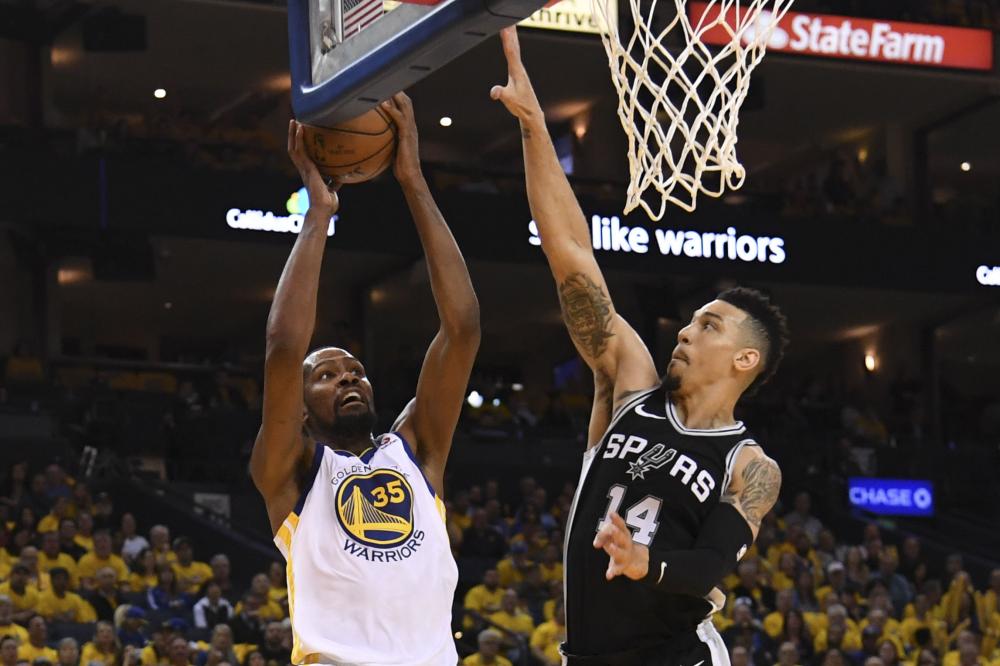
{"x": 671, "y": 382}
{"x": 354, "y": 425}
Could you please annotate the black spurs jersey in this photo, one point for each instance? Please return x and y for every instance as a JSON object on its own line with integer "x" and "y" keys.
{"x": 663, "y": 480}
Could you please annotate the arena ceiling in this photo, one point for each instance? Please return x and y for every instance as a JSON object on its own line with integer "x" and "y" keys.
{"x": 226, "y": 62}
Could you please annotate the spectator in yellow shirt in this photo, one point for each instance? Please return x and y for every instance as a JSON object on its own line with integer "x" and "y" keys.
{"x": 7, "y": 626}
{"x": 159, "y": 541}
{"x": 774, "y": 622}
{"x": 269, "y": 610}
{"x": 84, "y": 531}
{"x": 484, "y": 598}
{"x": 50, "y": 558}
{"x": 489, "y": 651}
{"x": 35, "y": 647}
{"x": 143, "y": 576}
{"x": 180, "y": 652}
{"x": 551, "y": 567}
{"x": 191, "y": 574}
{"x": 784, "y": 577}
{"x": 69, "y": 652}
{"x": 512, "y": 569}
{"x": 278, "y": 592}
{"x": 104, "y": 649}
{"x": 98, "y": 559}
{"x": 60, "y": 510}
{"x": 23, "y": 597}
{"x": 547, "y": 637}
{"x": 514, "y": 620}
{"x": 8, "y": 650}
{"x": 549, "y": 607}
{"x": 36, "y": 578}
{"x": 60, "y": 605}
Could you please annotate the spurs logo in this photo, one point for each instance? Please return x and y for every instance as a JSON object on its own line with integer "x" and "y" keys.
{"x": 655, "y": 458}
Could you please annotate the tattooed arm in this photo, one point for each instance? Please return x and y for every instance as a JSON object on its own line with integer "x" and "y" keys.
{"x": 725, "y": 535}
{"x": 755, "y": 486}
{"x": 614, "y": 351}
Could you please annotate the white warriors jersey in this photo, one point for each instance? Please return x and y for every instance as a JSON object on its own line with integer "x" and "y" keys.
{"x": 371, "y": 577}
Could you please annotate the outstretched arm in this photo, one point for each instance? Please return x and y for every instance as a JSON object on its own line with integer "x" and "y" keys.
{"x": 612, "y": 349}
{"x": 429, "y": 421}
{"x": 278, "y": 448}
{"x": 730, "y": 529}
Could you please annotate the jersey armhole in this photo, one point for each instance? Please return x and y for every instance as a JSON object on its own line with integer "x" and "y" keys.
{"x": 731, "y": 457}
{"x": 310, "y": 478}
{"x": 413, "y": 457}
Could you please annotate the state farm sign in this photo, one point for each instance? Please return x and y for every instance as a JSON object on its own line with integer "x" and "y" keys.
{"x": 856, "y": 38}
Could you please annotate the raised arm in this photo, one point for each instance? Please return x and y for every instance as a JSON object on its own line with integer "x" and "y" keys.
{"x": 279, "y": 446}
{"x": 728, "y": 531}
{"x": 429, "y": 421}
{"x": 607, "y": 343}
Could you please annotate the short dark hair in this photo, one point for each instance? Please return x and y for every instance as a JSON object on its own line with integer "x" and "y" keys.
{"x": 768, "y": 322}
{"x": 58, "y": 571}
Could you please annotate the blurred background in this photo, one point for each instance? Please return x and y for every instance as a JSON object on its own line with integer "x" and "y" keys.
{"x": 142, "y": 163}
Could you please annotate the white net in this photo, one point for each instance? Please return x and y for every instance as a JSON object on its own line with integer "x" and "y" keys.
{"x": 679, "y": 100}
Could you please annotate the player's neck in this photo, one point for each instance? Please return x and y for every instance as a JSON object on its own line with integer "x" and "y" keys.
{"x": 355, "y": 445}
{"x": 705, "y": 408}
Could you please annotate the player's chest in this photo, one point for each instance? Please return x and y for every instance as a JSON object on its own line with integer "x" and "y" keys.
{"x": 680, "y": 469}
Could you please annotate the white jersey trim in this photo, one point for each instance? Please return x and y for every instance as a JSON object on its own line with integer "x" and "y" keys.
{"x": 731, "y": 457}
{"x": 734, "y": 429}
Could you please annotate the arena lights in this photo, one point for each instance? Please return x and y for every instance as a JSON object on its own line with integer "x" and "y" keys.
{"x": 871, "y": 362}
{"x": 965, "y": 166}
{"x": 159, "y": 93}
{"x": 445, "y": 121}
{"x": 475, "y": 400}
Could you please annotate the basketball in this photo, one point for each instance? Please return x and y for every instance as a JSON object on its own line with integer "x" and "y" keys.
{"x": 355, "y": 150}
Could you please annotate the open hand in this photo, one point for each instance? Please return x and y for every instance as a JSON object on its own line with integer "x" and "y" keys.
{"x": 627, "y": 557}
{"x": 407, "y": 165}
{"x": 518, "y": 95}
{"x": 321, "y": 197}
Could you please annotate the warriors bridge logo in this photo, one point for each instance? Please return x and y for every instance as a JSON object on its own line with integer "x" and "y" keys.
{"x": 376, "y": 509}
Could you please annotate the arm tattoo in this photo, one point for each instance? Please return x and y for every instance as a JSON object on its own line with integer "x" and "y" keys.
{"x": 525, "y": 133}
{"x": 761, "y": 483}
{"x": 587, "y": 313}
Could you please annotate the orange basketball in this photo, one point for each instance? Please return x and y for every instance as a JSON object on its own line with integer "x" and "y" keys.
{"x": 355, "y": 150}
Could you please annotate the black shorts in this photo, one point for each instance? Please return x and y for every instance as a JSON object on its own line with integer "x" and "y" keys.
{"x": 702, "y": 647}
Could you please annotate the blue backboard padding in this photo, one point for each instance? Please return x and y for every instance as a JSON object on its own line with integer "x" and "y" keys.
{"x": 435, "y": 38}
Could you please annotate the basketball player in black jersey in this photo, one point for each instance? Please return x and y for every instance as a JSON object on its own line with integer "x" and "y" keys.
{"x": 673, "y": 488}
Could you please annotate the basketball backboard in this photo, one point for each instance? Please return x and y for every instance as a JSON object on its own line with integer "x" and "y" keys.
{"x": 348, "y": 55}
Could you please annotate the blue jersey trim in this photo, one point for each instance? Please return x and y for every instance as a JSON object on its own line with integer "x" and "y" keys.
{"x": 313, "y": 471}
{"x": 413, "y": 457}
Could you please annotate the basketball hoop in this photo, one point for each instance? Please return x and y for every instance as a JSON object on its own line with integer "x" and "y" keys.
{"x": 679, "y": 102}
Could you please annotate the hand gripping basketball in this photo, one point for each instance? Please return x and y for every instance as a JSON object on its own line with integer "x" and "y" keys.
{"x": 407, "y": 163}
{"x": 518, "y": 95}
{"x": 627, "y": 557}
{"x": 321, "y": 196}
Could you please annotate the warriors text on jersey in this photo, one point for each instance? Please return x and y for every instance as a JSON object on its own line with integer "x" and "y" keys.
{"x": 663, "y": 479}
{"x": 371, "y": 577}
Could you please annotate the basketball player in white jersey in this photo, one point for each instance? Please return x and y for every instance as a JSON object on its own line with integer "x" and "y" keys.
{"x": 359, "y": 519}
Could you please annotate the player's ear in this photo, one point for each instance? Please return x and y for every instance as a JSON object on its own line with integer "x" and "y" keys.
{"x": 747, "y": 359}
